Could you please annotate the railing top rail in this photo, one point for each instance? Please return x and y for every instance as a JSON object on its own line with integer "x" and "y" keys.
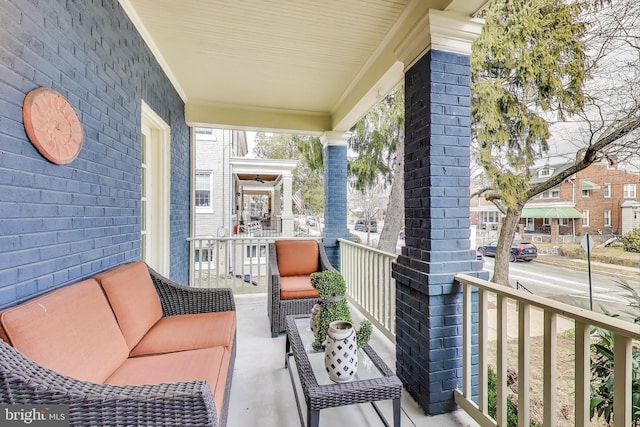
{"x": 245, "y": 237}
{"x": 368, "y": 248}
{"x": 582, "y": 315}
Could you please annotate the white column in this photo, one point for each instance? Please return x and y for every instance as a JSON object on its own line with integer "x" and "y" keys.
{"x": 287, "y": 212}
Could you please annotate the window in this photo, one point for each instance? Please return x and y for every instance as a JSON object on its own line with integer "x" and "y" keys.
{"x": 607, "y": 190}
{"x": 554, "y": 193}
{"x": 564, "y": 221}
{"x": 546, "y": 171}
{"x": 629, "y": 191}
{"x": 202, "y": 255}
{"x": 585, "y": 218}
{"x": 489, "y": 217}
{"x": 586, "y": 194}
{"x": 203, "y": 190}
{"x": 252, "y": 251}
{"x": 607, "y": 218}
{"x": 530, "y": 224}
{"x": 546, "y": 221}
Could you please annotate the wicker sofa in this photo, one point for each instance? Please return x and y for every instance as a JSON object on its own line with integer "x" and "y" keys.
{"x": 126, "y": 347}
{"x": 291, "y": 263}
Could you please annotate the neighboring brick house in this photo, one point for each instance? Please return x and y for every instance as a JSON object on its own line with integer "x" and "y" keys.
{"x": 601, "y": 199}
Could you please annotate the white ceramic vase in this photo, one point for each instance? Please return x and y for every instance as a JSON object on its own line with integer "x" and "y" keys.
{"x": 314, "y": 317}
{"x": 341, "y": 351}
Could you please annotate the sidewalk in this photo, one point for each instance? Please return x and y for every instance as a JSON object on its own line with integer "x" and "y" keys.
{"x": 581, "y": 264}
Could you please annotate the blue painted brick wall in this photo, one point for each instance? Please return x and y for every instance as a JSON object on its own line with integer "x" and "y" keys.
{"x": 335, "y": 201}
{"x": 60, "y": 224}
{"x": 437, "y": 177}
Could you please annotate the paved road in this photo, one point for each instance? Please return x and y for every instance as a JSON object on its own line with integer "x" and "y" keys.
{"x": 569, "y": 285}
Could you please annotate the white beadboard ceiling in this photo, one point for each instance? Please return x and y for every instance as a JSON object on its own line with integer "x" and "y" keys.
{"x": 279, "y": 64}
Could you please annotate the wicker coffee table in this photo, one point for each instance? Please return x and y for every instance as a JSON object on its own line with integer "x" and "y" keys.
{"x": 374, "y": 380}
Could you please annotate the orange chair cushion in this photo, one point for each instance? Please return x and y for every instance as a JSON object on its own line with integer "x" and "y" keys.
{"x": 133, "y": 298}
{"x": 297, "y": 287}
{"x": 70, "y": 330}
{"x": 210, "y": 364}
{"x": 297, "y": 257}
{"x": 188, "y": 332}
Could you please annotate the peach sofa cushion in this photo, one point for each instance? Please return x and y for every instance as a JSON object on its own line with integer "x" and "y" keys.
{"x": 297, "y": 257}
{"x": 70, "y": 330}
{"x": 297, "y": 287}
{"x": 188, "y": 332}
{"x": 210, "y": 364}
{"x": 133, "y": 298}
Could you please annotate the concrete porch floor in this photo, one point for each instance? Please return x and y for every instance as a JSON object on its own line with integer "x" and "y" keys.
{"x": 262, "y": 395}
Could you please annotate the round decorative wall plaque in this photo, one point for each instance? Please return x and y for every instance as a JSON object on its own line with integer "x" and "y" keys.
{"x": 52, "y": 125}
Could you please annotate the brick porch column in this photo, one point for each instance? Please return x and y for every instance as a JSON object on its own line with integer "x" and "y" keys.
{"x": 437, "y": 215}
{"x": 335, "y": 193}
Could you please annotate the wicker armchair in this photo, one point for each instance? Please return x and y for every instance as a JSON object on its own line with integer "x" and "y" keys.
{"x": 278, "y": 306}
{"x": 22, "y": 381}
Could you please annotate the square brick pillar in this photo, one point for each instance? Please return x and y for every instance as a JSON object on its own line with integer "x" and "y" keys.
{"x": 437, "y": 229}
{"x": 335, "y": 193}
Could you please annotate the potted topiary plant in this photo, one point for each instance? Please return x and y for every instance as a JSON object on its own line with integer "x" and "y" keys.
{"x": 333, "y": 306}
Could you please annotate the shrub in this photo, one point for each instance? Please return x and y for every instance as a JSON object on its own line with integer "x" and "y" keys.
{"x": 602, "y": 378}
{"x": 492, "y": 401}
{"x": 631, "y": 241}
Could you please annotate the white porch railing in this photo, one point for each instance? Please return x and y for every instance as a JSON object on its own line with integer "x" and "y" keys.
{"x": 370, "y": 287}
{"x": 239, "y": 263}
{"x": 625, "y": 334}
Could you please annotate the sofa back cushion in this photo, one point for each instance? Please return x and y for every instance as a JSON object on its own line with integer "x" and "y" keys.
{"x": 70, "y": 330}
{"x": 297, "y": 257}
{"x": 133, "y": 298}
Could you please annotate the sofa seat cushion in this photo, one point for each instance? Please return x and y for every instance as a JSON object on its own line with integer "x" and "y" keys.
{"x": 297, "y": 287}
{"x": 210, "y": 364}
{"x": 188, "y": 332}
{"x": 133, "y": 298}
{"x": 297, "y": 257}
{"x": 70, "y": 330}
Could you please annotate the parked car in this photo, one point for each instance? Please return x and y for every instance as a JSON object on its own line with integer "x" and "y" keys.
{"x": 361, "y": 225}
{"x": 312, "y": 221}
{"x": 519, "y": 251}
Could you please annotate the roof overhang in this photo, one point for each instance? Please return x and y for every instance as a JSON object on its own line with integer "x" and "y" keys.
{"x": 588, "y": 185}
{"x": 296, "y": 66}
{"x": 550, "y": 212}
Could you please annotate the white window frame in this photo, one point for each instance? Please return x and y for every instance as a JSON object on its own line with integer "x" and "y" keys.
{"x": 607, "y": 218}
{"x": 629, "y": 191}
{"x": 586, "y": 194}
{"x": 546, "y": 221}
{"x": 203, "y": 209}
{"x": 607, "y": 190}
{"x": 154, "y": 238}
{"x": 563, "y": 221}
{"x": 585, "y": 218}
{"x": 544, "y": 172}
{"x": 251, "y": 252}
{"x": 553, "y": 193}
{"x": 530, "y": 224}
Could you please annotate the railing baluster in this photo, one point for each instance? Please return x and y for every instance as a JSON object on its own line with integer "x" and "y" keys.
{"x": 550, "y": 368}
{"x": 483, "y": 309}
{"x": 622, "y": 385}
{"x": 583, "y": 374}
{"x": 501, "y": 383}
{"x": 524, "y": 317}
{"x": 466, "y": 347}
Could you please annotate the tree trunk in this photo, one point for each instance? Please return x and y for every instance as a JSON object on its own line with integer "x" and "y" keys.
{"x": 395, "y": 207}
{"x": 503, "y": 251}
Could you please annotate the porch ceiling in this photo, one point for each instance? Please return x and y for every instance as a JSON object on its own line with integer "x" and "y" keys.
{"x": 304, "y": 65}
